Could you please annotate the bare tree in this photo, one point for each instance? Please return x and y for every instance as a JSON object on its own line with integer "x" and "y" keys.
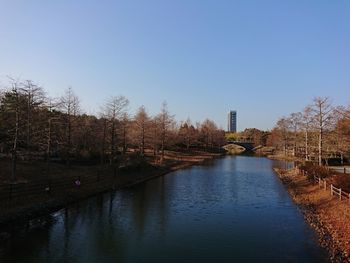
{"x": 114, "y": 110}
{"x": 35, "y": 97}
{"x": 166, "y": 120}
{"x": 283, "y": 126}
{"x": 295, "y": 123}
{"x": 306, "y": 125}
{"x": 208, "y": 129}
{"x": 12, "y": 114}
{"x": 322, "y": 112}
{"x": 125, "y": 123}
{"x": 142, "y": 122}
{"x": 187, "y": 133}
{"x": 155, "y": 131}
{"x": 51, "y": 119}
{"x": 341, "y": 132}
{"x": 70, "y": 106}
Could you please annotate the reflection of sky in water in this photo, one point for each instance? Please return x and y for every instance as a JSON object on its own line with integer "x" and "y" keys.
{"x": 233, "y": 210}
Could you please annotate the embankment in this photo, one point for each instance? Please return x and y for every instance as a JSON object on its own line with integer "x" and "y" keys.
{"x": 329, "y": 216}
{"x": 29, "y": 199}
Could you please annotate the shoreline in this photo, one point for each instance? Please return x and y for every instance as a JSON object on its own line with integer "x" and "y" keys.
{"x": 282, "y": 158}
{"x": 43, "y": 207}
{"x": 328, "y": 216}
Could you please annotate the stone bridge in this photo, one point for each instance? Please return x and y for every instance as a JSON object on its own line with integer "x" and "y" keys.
{"x": 248, "y": 146}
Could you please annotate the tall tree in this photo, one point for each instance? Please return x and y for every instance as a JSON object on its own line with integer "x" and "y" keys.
{"x": 35, "y": 97}
{"x": 187, "y": 133}
{"x": 11, "y": 112}
{"x": 322, "y": 112}
{"x": 208, "y": 129}
{"x": 283, "y": 126}
{"x": 295, "y": 123}
{"x": 52, "y": 116}
{"x": 142, "y": 122}
{"x": 124, "y": 123}
{"x": 306, "y": 125}
{"x": 155, "y": 131}
{"x": 70, "y": 106}
{"x": 341, "y": 132}
{"x": 165, "y": 121}
{"x": 114, "y": 109}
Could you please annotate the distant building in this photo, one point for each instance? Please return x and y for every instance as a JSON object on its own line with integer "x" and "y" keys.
{"x": 232, "y": 121}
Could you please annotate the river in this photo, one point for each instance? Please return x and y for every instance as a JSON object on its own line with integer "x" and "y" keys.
{"x": 234, "y": 209}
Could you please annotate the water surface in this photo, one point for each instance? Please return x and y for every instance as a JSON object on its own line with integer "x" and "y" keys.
{"x": 232, "y": 210}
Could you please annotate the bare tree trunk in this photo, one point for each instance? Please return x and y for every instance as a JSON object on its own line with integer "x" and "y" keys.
{"x": 69, "y": 143}
{"x": 15, "y": 142}
{"x": 143, "y": 140}
{"x": 162, "y": 144}
{"x": 103, "y": 141}
{"x": 112, "y": 142}
{"x": 48, "y": 150}
{"x": 322, "y": 109}
{"x": 155, "y": 139}
{"x": 188, "y": 142}
{"x": 320, "y": 136}
{"x": 28, "y": 122}
{"x": 295, "y": 142}
{"x": 124, "y": 139}
{"x": 306, "y": 145}
{"x": 285, "y": 145}
{"x": 341, "y": 159}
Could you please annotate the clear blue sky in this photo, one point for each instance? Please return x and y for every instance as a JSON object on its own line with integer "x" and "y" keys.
{"x": 264, "y": 59}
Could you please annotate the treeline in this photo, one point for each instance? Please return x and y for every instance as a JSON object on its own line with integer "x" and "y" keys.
{"x": 34, "y": 126}
{"x": 320, "y": 132}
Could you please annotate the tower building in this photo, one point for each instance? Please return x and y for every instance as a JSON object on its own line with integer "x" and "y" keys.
{"x": 232, "y": 121}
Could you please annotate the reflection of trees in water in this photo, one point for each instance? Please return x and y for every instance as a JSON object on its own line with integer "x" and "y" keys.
{"x": 110, "y": 207}
{"x": 163, "y": 205}
{"x": 139, "y": 209}
{"x": 149, "y": 206}
{"x": 106, "y": 235}
{"x": 84, "y": 231}
{"x": 92, "y": 234}
{"x": 80, "y": 233}
{"x": 28, "y": 241}
{"x": 66, "y": 234}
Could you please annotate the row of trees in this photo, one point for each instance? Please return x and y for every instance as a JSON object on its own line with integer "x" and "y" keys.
{"x": 36, "y": 127}
{"x": 320, "y": 132}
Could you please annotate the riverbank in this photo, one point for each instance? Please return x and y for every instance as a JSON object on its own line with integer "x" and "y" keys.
{"x": 328, "y": 215}
{"x": 282, "y": 157}
{"x": 39, "y": 198}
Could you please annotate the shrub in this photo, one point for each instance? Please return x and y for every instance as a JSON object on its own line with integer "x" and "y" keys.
{"x": 312, "y": 170}
{"x": 342, "y": 181}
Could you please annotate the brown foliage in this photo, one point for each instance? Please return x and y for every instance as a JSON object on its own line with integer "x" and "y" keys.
{"x": 319, "y": 171}
{"x": 342, "y": 181}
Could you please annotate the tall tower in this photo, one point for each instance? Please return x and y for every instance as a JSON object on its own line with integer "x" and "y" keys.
{"x": 232, "y": 121}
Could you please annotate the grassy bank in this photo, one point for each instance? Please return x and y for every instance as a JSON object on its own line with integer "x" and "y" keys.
{"x": 283, "y": 157}
{"x": 35, "y": 193}
{"x": 328, "y": 215}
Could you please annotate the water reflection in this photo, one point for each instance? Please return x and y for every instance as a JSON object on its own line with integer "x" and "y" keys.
{"x": 232, "y": 210}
